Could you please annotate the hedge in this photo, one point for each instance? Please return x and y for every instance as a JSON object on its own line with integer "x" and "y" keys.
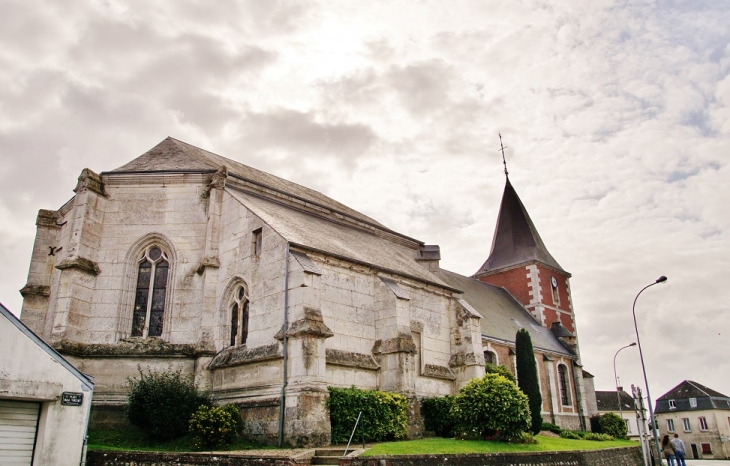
{"x": 384, "y": 414}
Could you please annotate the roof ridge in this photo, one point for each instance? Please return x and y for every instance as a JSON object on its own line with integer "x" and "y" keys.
{"x": 698, "y": 386}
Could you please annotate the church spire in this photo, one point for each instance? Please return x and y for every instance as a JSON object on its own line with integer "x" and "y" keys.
{"x": 516, "y": 240}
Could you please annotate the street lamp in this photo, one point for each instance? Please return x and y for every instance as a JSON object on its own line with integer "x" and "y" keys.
{"x": 661, "y": 279}
{"x": 615, "y": 378}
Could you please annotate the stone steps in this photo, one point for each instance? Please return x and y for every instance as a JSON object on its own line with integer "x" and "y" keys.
{"x": 327, "y": 456}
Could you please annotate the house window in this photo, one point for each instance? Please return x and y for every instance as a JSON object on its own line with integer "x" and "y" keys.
{"x": 703, "y": 423}
{"x": 728, "y": 421}
{"x": 628, "y": 426}
{"x": 490, "y": 358}
{"x": 149, "y": 300}
{"x": 687, "y": 426}
{"x": 563, "y": 379}
{"x": 672, "y": 404}
{"x": 706, "y": 449}
{"x": 693, "y": 402}
{"x": 239, "y": 316}
{"x": 256, "y": 242}
{"x": 670, "y": 425}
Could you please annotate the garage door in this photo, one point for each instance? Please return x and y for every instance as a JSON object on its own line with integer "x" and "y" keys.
{"x": 18, "y": 423}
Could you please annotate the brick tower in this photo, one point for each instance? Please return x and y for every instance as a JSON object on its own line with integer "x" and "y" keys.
{"x": 520, "y": 263}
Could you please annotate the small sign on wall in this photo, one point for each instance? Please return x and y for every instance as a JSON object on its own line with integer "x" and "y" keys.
{"x": 72, "y": 399}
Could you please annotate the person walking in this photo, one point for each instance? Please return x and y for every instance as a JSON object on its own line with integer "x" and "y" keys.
{"x": 679, "y": 450}
{"x": 668, "y": 450}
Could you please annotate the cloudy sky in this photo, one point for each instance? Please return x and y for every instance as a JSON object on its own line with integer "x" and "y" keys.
{"x": 616, "y": 116}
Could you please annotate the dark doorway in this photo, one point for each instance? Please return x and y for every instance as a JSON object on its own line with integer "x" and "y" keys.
{"x": 695, "y": 453}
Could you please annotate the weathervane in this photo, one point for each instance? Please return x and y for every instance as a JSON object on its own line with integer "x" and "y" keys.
{"x": 504, "y": 161}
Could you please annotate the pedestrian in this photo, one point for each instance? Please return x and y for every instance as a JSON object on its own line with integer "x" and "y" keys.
{"x": 679, "y": 450}
{"x": 668, "y": 450}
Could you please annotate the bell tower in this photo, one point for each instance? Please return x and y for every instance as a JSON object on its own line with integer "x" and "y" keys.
{"x": 520, "y": 263}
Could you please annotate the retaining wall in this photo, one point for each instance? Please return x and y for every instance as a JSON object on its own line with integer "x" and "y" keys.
{"x": 626, "y": 456}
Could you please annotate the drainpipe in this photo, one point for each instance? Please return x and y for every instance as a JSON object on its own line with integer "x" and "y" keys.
{"x": 578, "y": 400}
{"x": 85, "y": 387}
{"x": 282, "y": 404}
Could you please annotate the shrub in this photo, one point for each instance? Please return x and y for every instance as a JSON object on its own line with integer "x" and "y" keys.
{"x": 235, "y": 413}
{"x": 551, "y": 428}
{"x": 613, "y": 425}
{"x": 499, "y": 370}
{"x": 213, "y": 426}
{"x": 490, "y": 407}
{"x": 525, "y": 438}
{"x": 161, "y": 403}
{"x": 384, "y": 414}
{"x": 598, "y": 437}
{"x": 436, "y": 414}
{"x": 527, "y": 377}
{"x": 569, "y": 435}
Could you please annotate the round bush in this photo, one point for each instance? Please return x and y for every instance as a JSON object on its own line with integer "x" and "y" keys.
{"x": 613, "y": 425}
{"x": 491, "y": 407}
{"x": 161, "y": 403}
{"x": 212, "y": 426}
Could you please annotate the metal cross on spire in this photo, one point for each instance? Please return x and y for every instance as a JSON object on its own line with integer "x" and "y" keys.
{"x": 504, "y": 161}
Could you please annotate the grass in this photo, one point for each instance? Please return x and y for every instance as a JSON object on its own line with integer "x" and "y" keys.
{"x": 135, "y": 440}
{"x": 437, "y": 446}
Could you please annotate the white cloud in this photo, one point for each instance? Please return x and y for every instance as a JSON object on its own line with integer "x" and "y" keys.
{"x": 615, "y": 113}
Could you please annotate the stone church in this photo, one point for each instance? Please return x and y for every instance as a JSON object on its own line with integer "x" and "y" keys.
{"x": 269, "y": 292}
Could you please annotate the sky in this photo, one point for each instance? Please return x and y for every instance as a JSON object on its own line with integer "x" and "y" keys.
{"x": 615, "y": 116}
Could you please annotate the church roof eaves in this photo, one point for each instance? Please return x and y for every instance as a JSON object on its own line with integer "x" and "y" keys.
{"x": 516, "y": 241}
{"x": 311, "y": 232}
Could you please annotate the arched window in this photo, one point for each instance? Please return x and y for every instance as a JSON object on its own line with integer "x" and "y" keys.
{"x": 564, "y": 386}
{"x": 239, "y": 316}
{"x": 151, "y": 291}
{"x": 490, "y": 357}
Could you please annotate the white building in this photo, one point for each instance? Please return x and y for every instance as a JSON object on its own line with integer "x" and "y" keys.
{"x": 44, "y": 400}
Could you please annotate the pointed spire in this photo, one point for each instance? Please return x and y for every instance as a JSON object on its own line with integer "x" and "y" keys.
{"x": 516, "y": 240}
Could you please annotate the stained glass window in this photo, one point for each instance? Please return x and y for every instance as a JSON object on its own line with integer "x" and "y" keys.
{"x": 239, "y": 317}
{"x": 148, "y": 314}
{"x": 564, "y": 392}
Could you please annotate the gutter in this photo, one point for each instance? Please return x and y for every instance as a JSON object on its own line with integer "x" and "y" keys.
{"x": 285, "y": 328}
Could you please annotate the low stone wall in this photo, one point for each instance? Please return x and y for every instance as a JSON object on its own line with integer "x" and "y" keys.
{"x": 128, "y": 458}
{"x": 627, "y": 456}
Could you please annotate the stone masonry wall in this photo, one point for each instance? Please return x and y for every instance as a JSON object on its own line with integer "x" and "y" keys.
{"x": 630, "y": 456}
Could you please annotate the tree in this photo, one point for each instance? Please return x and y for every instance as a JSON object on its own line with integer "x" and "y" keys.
{"x": 527, "y": 377}
{"x": 492, "y": 406}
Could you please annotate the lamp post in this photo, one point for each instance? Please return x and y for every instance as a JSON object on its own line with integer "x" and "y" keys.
{"x": 661, "y": 279}
{"x": 615, "y": 378}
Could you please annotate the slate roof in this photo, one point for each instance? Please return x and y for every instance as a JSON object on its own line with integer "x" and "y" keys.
{"x": 172, "y": 155}
{"x": 690, "y": 389}
{"x": 302, "y": 228}
{"x": 516, "y": 240}
{"x": 704, "y": 398}
{"x": 608, "y": 401}
{"x": 502, "y": 315}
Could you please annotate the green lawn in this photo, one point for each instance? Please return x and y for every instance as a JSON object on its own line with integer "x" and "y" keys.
{"x": 450, "y": 446}
{"x": 135, "y": 440}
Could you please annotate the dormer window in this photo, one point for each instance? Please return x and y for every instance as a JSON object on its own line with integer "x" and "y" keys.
{"x": 693, "y": 402}
{"x": 672, "y": 404}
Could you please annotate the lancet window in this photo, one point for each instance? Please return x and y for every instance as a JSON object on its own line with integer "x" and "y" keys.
{"x": 150, "y": 293}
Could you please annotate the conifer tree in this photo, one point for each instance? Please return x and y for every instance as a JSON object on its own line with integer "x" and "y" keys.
{"x": 527, "y": 377}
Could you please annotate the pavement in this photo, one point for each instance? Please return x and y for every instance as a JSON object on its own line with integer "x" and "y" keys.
{"x": 707, "y": 462}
